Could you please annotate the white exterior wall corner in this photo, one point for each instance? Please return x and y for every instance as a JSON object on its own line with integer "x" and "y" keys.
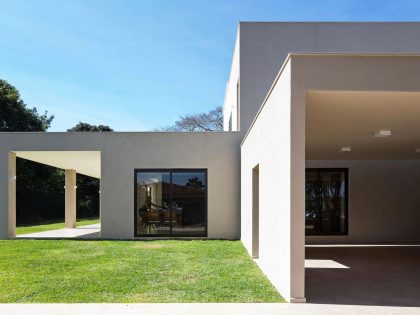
{"x": 269, "y": 145}
{"x": 230, "y": 105}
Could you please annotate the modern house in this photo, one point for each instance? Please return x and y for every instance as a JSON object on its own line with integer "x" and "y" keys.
{"x": 321, "y": 145}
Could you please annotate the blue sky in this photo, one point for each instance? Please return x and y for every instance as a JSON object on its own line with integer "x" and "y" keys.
{"x": 137, "y": 65}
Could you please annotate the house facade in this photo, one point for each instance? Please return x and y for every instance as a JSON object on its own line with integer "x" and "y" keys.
{"x": 321, "y": 145}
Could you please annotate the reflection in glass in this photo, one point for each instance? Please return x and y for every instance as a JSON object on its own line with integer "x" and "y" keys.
{"x": 153, "y": 202}
{"x": 171, "y": 202}
{"x": 326, "y": 202}
{"x": 188, "y": 202}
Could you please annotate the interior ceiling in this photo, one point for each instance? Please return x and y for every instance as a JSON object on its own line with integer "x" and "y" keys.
{"x": 84, "y": 162}
{"x": 336, "y": 119}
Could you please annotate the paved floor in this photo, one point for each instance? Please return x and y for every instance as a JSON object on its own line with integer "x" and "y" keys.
{"x": 202, "y": 309}
{"x": 363, "y": 275}
{"x": 86, "y": 231}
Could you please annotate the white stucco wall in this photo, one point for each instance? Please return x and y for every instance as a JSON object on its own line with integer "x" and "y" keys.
{"x": 230, "y": 105}
{"x": 384, "y": 201}
{"x": 269, "y": 145}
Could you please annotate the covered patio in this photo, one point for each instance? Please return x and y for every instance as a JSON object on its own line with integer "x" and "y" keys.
{"x": 73, "y": 162}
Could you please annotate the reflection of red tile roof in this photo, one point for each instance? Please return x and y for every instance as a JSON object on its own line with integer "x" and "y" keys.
{"x": 181, "y": 190}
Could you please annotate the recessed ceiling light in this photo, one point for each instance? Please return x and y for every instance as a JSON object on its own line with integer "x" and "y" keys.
{"x": 383, "y": 133}
{"x": 345, "y": 149}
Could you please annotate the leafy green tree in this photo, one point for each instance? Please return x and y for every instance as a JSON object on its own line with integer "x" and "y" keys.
{"x": 16, "y": 116}
{"x": 39, "y": 188}
{"x": 81, "y": 126}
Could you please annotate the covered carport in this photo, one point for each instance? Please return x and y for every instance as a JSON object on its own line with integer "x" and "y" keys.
{"x": 362, "y": 192}
{"x": 352, "y": 122}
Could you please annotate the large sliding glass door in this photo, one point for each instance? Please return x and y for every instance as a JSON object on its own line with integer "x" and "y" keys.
{"x": 171, "y": 202}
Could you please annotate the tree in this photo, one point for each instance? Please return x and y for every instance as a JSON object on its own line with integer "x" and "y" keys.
{"x": 195, "y": 182}
{"x": 209, "y": 121}
{"x": 15, "y": 116}
{"x": 81, "y": 126}
{"x": 39, "y": 187}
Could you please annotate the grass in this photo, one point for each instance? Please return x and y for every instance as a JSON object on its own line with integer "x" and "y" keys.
{"x": 65, "y": 271}
{"x": 52, "y": 225}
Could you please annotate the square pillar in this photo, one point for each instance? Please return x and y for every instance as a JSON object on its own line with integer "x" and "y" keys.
{"x": 70, "y": 199}
{"x": 11, "y": 195}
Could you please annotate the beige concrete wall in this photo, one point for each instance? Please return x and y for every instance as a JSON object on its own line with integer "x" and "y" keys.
{"x": 269, "y": 145}
{"x": 265, "y": 46}
{"x": 384, "y": 201}
{"x": 217, "y": 152}
{"x": 121, "y": 153}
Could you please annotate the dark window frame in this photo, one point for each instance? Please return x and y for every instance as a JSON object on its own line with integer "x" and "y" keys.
{"x": 346, "y": 200}
{"x": 171, "y": 171}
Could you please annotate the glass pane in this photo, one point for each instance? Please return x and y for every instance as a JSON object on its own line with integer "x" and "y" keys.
{"x": 325, "y": 202}
{"x": 188, "y": 203}
{"x": 333, "y": 205}
{"x": 313, "y": 203}
{"x": 153, "y": 198}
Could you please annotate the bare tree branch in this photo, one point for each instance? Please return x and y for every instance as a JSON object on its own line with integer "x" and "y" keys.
{"x": 210, "y": 121}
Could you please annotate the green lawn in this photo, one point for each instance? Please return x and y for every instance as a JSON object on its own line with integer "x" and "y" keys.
{"x": 130, "y": 271}
{"x": 47, "y": 226}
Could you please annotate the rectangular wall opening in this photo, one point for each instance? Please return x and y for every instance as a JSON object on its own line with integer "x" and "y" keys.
{"x": 255, "y": 212}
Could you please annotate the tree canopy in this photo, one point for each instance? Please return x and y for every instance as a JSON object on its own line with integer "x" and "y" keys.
{"x": 208, "y": 121}
{"x": 16, "y": 116}
{"x": 81, "y": 126}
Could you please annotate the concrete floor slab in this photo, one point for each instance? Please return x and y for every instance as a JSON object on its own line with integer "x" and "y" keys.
{"x": 86, "y": 231}
{"x": 381, "y": 275}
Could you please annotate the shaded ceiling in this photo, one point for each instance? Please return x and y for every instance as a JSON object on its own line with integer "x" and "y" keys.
{"x": 336, "y": 119}
{"x": 84, "y": 162}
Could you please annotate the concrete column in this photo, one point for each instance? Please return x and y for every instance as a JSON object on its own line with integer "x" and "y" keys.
{"x": 70, "y": 199}
{"x": 12, "y": 195}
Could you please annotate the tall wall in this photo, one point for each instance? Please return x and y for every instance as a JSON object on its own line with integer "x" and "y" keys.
{"x": 265, "y": 46}
{"x": 269, "y": 146}
{"x": 230, "y": 105}
{"x": 384, "y": 201}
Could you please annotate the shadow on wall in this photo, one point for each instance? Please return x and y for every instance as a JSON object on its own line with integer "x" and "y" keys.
{"x": 376, "y": 275}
